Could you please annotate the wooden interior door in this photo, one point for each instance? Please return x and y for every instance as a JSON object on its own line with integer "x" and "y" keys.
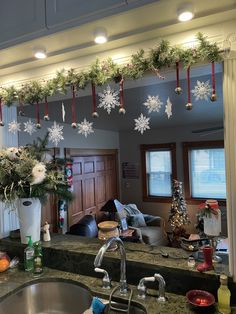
{"x": 89, "y": 185}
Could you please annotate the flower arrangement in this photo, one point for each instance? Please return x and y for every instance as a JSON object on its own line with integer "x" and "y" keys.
{"x": 25, "y": 173}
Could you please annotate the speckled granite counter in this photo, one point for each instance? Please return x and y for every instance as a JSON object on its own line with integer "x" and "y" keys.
{"x": 12, "y": 280}
{"x": 76, "y": 254}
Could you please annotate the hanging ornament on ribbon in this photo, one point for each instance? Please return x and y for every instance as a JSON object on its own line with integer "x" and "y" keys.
{"x": 189, "y": 105}
{"x": 21, "y": 110}
{"x": 46, "y": 115}
{"x": 1, "y": 116}
{"x": 213, "y": 82}
{"x": 73, "y": 113}
{"x": 122, "y": 109}
{"x": 178, "y": 89}
{"x": 38, "y": 124}
{"x": 94, "y": 113}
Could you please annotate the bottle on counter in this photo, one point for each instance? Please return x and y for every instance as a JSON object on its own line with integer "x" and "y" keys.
{"x": 29, "y": 255}
{"x": 223, "y": 294}
{"x": 38, "y": 259}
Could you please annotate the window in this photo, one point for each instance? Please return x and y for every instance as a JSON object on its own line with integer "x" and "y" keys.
{"x": 204, "y": 167}
{"x": 159, "y": 167}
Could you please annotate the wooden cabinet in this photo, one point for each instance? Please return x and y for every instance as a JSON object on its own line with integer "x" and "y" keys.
{"x": 94, "y": 183}
{"x": 20, "y": 19}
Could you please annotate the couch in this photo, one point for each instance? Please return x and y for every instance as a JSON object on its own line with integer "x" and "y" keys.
{"x": 150, "y": 229}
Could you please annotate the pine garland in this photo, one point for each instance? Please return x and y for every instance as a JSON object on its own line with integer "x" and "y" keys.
{"x": 100, "y": 72}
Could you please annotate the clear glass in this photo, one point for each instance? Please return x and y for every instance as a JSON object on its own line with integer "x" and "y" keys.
{"x": 159, "y": 173}
{"x": 207, "y": 172}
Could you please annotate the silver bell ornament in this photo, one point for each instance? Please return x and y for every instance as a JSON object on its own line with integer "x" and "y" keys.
{"x": 122, "y": 110}
{"x": 38, "y": 125}
{"x": 1, "y": 123}
{"x": 46, "y": 117}
{"x": 73, "y": 125}
{"x": 178, "y": 90}
{"x": 95, "y": 114}
{"x": 189, "y": 106}
{"x": 21, "y": 113}
{"x": 213, "y": 97}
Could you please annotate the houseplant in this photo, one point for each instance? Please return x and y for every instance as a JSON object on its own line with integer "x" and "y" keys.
{"x": 26, "y": 178}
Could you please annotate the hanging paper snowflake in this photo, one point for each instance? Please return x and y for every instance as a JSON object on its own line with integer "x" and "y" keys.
{"x": 55, "y": 133}
{"x": 202, "y": 90}
{"x": 29, "y": 127}
{"x": 109, "y": 99}
{"x": 168, "y": 109}
{"x": 142, "y": 123}
{"x": 85, "y": 127}
{"x": 153, "y": 104}
{"x": 14, "y": 127}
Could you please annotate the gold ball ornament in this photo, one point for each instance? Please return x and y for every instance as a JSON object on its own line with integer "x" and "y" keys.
{"x": 122, "y": 111}
{"x": 46, "y": 117}
{"x": 73, "y": 125}
{"x": 178, "y": 90}
{"x": 189, "y": 106}
{"x": 213, "y": 97}
{"x": 95, "y": 114}
{"x": 38, "y": 125}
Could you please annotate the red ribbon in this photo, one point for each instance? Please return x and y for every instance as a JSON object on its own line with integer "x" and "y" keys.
{"x": 73, "y": 105}
{"x": 188, "y": 81}
{"x": 46, "y": 106}
{"x": 177, "y": 73}
{"x": 213, "y": 77}
{"x": 122, "y": 93}
{"x": 94, "y": 97}
{"x": 37, "y": 113}
{"x": 0, "y": 110}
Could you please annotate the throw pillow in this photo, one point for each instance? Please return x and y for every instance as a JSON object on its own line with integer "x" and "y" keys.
{"x": 137, "y": 221}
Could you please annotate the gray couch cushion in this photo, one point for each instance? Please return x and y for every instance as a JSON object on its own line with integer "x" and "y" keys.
{"x": 137, "y": 220}
{"x": 153, "y": 235}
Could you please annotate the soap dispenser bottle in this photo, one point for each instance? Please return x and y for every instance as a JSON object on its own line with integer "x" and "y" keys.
{"x": 38, "y": 259}
{"x": 29, "y": 255}
{"x": 223, "y": 295}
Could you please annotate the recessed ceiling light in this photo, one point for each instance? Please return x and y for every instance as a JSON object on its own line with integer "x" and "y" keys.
{"x": 185, "y": 12}
{"x": 100, "y": 35}
{"x": 40, "y": 53}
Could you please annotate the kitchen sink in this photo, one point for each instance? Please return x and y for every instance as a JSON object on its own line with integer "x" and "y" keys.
{"x": 134, "y": 309}
{"x": 48, "y": 297}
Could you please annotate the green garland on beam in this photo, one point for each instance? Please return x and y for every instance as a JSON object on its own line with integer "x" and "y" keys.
{"x": 100, "y": 72}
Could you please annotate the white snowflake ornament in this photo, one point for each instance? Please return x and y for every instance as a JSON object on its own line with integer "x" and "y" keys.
{"x": 85, "y": 128}
{"x": 142, "y": 123}
{"x": 14, "y": 127}
{"x": 29, "y": 127}
{"x": 109, "y": 99}
{"x": 168, "y": 109}
{"x": 202, "y": 90}
{"x": 153, "y": 103}
{"x": 55, "y": 133}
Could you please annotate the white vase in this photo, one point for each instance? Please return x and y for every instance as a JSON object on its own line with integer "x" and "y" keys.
{"x": 29, "y": 212}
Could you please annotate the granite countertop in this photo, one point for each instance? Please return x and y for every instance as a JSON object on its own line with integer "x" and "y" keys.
{"x": 12, "y": 280}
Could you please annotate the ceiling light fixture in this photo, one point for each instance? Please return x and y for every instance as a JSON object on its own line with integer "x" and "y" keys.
{"x": 185, "y": 12}
{"x": 100, "y": 35}
{"x": 40, "y": 53}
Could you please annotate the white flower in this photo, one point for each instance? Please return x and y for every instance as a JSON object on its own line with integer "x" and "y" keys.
{"x": 13, "y": 152}
{"x": 38, "y": 173}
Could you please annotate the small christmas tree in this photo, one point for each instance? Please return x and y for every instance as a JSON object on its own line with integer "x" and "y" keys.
{"x": 178, "y": 215}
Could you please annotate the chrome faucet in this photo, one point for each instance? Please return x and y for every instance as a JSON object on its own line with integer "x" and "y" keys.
{"x": 99, "y": 258}
{"x": 142, "y": 289}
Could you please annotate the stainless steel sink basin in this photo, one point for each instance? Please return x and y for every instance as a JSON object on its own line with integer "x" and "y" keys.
{"x": 134, "y": 309}
{"x": 48, "y": 297}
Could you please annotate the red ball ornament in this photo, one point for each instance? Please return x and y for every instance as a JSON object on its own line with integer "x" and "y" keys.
{"x": 73, "y": 125}
{"x": 95, "y": 114}
{"x": 38, "y": 125}
{"x": 213, "y": 97}
{"x": 178, "y": 90}
{"x": 122, "y": 110}
{"x": 189, "y": 106}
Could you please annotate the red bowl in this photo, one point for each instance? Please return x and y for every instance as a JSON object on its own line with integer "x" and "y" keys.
{"x": 200, "y": 298}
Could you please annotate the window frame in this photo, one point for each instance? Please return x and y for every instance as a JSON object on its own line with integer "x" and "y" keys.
{"x": 187, "y": 146}
{"x": 153, "y": 147}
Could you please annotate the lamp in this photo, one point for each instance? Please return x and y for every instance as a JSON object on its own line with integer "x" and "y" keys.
{"x": 40, "y": 53}
{"x": 100, "y": 35}
{"x": 185, "y": 12}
